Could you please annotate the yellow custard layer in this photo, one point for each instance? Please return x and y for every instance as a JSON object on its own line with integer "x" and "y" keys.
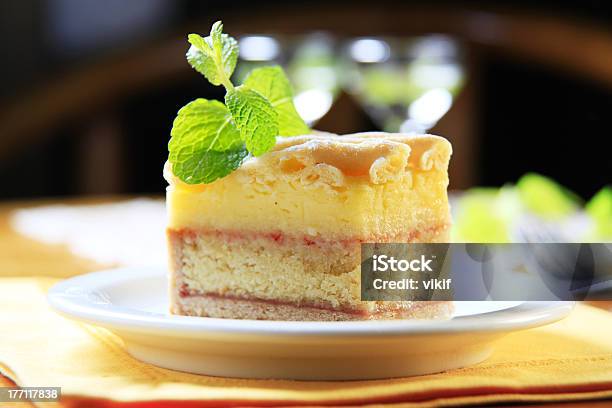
{"x": 356, "y": 186}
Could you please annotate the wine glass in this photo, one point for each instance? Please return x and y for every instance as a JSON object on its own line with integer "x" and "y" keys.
{"x": 404, "y": 85}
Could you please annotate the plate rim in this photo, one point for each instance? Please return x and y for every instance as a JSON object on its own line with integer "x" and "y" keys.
{"x": 79, "y": 305}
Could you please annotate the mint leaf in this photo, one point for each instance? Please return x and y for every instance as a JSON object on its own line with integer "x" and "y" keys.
{"x": 272, "y": 83}
{"x": 214, "y": 56}
{"x": 205, "y": 143}
{"x": 210, "y": 140}
{"x": 255, "y": 118}
{"x": 200, "y": 58}
{"x": 216, "y": 34}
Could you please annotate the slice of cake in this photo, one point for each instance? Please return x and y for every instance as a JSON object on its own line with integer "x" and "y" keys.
{"x": 280, "y": 237}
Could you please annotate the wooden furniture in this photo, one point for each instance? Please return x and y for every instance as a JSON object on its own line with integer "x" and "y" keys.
{"x": 560, "y": 43}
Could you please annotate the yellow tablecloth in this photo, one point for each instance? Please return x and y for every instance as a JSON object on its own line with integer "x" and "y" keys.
{"x": 571, "y": 359}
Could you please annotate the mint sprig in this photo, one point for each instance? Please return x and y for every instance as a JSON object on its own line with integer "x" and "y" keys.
{"x": 209, "y": 140}
{"x": 214, "y": 56}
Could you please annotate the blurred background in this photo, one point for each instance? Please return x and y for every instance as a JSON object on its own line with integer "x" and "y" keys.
{"x": 89, "y": 88}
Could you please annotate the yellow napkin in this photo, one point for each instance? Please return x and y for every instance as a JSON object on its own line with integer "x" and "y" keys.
{"x": 568, "y": 360}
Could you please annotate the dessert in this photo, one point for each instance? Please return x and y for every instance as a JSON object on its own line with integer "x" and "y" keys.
{"x": 279, "y": 238}
{"x": 266, "y": 219}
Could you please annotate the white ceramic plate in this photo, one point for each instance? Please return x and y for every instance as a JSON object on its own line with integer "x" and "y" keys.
{"x": 133, "y": 303}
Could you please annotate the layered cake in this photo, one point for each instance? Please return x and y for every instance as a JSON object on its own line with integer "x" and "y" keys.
{"x": 279, "y": 238}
